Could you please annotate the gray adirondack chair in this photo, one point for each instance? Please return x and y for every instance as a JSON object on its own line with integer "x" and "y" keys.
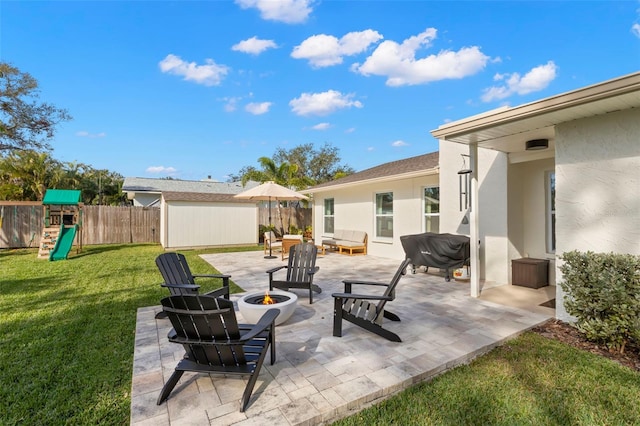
{"x": 301, "y": 268}
{"x": 367, "y": 310}
{"x": 215, "y": 343}
{"x": 179, "y": 279}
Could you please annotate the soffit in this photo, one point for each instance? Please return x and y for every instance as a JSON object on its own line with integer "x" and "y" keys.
{"x": 507, "y": 129}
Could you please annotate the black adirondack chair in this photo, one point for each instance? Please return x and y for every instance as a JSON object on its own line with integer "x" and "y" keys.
{"x": 367, "y": 310}
{"x": 179, "y": 279}
{"x": 214, "y": 343}
{"x": 300, "y": 270}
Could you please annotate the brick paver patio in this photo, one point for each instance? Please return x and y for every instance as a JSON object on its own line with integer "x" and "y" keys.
{"x": 319, "y": 378}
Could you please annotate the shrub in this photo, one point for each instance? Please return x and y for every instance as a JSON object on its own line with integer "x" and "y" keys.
{"x": 603, "y": 292}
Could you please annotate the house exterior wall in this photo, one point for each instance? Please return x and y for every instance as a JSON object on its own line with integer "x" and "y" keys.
{"x": 142, "y": 199}
{"x": 200, "y": 224}
{"x": 354, "y": 210}
{"x": 527, "y": 218}
{"x": 597, "y": 187}
{"x": 493, "y": 208}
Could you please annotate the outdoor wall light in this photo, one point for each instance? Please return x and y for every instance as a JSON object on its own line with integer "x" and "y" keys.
{"x": 537, "y": 144}
{"x": 464, "y": 185}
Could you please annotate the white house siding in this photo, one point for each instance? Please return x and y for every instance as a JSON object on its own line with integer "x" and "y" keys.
{"x": 354, "y": 210}
{"x": 598, "y": 186}
{"x": 493, "y": 209}
{"x": 528, "y": 211}
{"x": 145, "y": 199}
{"x": 199, "y": 224}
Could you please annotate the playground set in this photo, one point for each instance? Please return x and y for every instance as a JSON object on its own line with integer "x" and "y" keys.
{"x": 62, "y": 224}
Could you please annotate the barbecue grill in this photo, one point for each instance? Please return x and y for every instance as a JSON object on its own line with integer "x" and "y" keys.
{"x": 444, "y": 251}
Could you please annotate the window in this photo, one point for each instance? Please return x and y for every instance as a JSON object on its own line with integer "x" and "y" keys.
{"x": 432, "y": 209}
{"x": 384, "y": 215}
{"x": 328, "y": 215}
{"x": 551, "y": 212}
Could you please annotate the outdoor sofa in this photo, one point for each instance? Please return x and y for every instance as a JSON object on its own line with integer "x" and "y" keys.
{"x": 347, "y": 241}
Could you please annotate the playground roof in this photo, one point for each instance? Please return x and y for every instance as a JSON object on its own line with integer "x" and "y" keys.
{"x": 65, "y": 197}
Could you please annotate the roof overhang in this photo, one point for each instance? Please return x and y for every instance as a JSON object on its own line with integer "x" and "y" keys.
{"x": 410, "y": 175}
{"x": 507, "y": 129}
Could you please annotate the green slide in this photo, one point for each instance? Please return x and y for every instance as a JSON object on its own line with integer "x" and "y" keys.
{"x": 63, "y": 243}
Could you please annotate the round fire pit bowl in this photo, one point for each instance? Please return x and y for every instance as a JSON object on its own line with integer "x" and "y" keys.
{"x": 251, "y": 307}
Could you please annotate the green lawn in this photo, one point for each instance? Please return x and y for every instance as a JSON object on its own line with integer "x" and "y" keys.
{"x": 67, "y": 332}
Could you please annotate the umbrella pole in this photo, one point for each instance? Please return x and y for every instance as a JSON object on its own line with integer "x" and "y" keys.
{"x": 274, "y": 234}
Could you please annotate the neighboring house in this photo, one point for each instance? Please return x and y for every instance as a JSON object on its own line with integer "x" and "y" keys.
{"x": 386, "y": 201}
{"x": 581, "y": 192}
{"x": 145, "y": 192}
{"x": 197, "y": 213}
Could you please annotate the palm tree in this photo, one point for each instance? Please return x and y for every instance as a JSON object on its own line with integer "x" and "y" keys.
{"x": 32, "y": 172}
{"x": 283, "y": 174}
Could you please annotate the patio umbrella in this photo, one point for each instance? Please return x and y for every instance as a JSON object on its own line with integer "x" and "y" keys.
{"x": 266, "y": 192}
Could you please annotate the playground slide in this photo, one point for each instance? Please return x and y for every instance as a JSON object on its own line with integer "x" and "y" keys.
{"x": 63, "y": 243}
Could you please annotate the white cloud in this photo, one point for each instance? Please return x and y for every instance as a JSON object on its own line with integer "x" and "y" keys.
{"x": 399, "y": 64}
{"x": 370, "y": 148}
{"x": 258, "y": 108}
{"x": 231, "y": 103}
{"x": 321, "y": 126}
{"x": 322, "y": 103}
{"x": 399, "y": 143}
{"x": 85, "y": 134}
{"x": 635, "y": 29}
{"x": 161, "y": 169}
{"x": 287, "y": 11}
{"x": 325, "y": 50}
{"x": 350, "y": 130}
{"x": 210, "y": 74}
{"x": 254, "y": 46}
{"x": 535, "y": 80}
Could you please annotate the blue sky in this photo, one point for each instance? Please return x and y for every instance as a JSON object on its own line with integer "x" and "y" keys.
{"x": 190, "y": 89}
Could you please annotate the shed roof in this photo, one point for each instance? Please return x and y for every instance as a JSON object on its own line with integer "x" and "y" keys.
{"x": 421, "y": 165}
{"x": 203, "y": 197}
{"x": 67, "y": 197}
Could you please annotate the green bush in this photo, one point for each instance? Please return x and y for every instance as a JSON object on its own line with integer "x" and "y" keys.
{"x": 603, "y": 293}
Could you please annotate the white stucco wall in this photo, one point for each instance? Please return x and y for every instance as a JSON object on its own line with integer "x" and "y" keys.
{"x": 200, "y": 224}
{"x": 354, "y": 210}
{"x": 527, "y": 183}
{"x": 598, "y": 187}
{"x": 492, "y": 188}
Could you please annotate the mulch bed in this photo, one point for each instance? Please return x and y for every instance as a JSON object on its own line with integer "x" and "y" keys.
{"x": 566, "y": 333}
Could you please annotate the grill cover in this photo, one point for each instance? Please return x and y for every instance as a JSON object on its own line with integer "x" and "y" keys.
{"x": 445, "y": 251}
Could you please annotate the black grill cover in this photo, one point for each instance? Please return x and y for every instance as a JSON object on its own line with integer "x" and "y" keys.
{"x": 445, "y": 251}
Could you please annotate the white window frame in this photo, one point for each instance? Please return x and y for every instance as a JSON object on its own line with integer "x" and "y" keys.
{"x": 550, "y": 190}
{"x": 326, "y": 216}
{"x": 428, "y": 215}
{"x": 377, "y": 215}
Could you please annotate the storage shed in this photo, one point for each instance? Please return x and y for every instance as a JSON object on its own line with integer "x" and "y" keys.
{"x": 190, "y": 220}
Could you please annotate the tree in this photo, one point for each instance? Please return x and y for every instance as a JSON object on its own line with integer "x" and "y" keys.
{"x": 282, "y": 174}
{"x": 25, "y": 123}
{"x": 314, "y": 166}
{"x": 26, "y": 175}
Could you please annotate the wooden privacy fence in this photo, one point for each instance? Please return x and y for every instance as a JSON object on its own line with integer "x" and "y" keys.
{"x": 120, "y": 225}
{"x": 300, "y": 218}
{"x": 21, "y": 224}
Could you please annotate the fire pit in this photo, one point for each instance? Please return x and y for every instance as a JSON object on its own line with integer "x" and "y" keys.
{"x": 253, "y": 306}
